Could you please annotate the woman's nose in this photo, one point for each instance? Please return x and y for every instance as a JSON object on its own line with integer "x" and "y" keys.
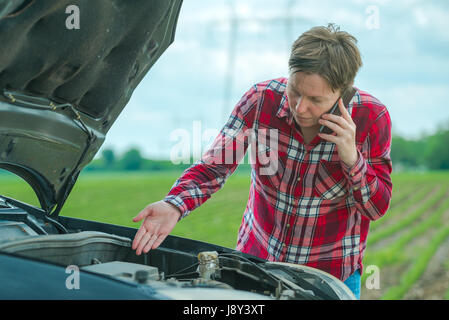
{"x": 300, "y": 105}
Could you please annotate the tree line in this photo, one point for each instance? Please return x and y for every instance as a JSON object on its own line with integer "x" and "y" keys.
{"x": 131, "y": 160}
{"x": 430, "y": 152}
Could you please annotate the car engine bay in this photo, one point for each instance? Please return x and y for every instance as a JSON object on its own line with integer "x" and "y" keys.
{"x": 171, "y": 269}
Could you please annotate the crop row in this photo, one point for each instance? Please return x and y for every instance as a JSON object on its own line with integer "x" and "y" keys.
{"x": 409, "y": 218}
{"x": 394, "y": 252}
{"x": 417, "y": 267}
{"x": 403, "y": 205}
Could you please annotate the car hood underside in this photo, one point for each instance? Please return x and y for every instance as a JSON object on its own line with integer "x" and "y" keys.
{"x": 64, "y": 81}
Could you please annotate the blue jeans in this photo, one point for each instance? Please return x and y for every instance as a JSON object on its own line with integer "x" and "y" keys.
{"x": 354, "y": 283}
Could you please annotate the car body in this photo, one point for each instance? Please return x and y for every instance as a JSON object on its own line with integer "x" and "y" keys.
{"x": 62, "y": 89}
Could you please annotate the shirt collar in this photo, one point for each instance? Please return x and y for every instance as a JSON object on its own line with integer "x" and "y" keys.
{"x": 284, "y": 109}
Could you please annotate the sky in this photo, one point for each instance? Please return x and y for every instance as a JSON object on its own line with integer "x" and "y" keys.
{"x": 193, "y": 87}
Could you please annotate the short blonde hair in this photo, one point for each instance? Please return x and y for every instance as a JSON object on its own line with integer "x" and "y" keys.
{"x": 329, "y": 52}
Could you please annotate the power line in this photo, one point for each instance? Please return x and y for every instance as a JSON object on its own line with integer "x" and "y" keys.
{"x": 235, "y": 21}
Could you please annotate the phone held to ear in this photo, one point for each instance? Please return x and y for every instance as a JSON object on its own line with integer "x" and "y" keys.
{"x": 336, "y": 109}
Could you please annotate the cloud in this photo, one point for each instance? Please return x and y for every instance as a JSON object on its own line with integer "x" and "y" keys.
{"x": 415, "y": 109}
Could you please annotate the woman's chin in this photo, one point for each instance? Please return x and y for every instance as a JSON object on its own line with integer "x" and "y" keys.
{"x": 306, "y": 123}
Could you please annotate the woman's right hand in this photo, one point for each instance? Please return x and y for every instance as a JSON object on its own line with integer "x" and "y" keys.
{"x": 159, "y": 219}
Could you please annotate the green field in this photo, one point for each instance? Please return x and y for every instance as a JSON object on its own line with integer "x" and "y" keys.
{"x": 116, "y": 198}
{"x": 405, "y": 244}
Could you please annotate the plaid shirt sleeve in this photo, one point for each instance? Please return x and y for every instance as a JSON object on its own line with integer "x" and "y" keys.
{"x": 208, "y": 174}
{"x": 369, "y": 178}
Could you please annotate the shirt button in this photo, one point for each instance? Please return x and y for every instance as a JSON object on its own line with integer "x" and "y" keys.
{"x": 299, "y": 178}
{"x": 356, "y": 188}
{"x": 283, "y": 245}
{"x": 352, "y": 174}
{"x": 288, "y": 225}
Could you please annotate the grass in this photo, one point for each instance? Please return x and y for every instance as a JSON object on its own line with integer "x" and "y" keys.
{"x": 117, "y": 198}
{"x": 214, "y": 221}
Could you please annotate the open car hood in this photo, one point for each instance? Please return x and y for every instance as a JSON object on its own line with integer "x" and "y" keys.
{"x": 62, "y": 87}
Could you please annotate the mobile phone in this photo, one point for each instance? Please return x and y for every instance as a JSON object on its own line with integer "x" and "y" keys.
{"x": 334, "y": 110}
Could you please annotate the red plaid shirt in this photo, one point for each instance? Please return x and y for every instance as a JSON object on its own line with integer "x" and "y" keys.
{"x": 311, "y": 209}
